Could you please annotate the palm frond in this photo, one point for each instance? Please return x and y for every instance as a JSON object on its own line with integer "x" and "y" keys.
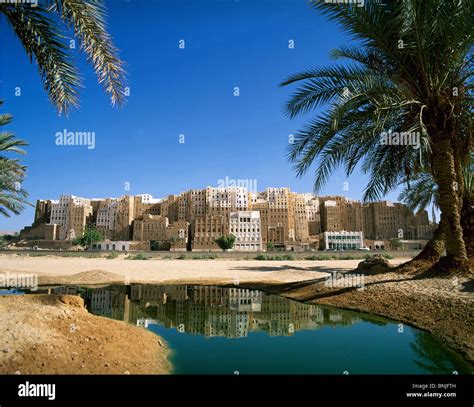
{"x": 88, "y": 19}
{"x": 12, "y": 171}
{"x": 43, "y": 41}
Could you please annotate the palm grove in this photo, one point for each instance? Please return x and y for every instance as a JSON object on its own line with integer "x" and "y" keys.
{"x": 410, "y": 71}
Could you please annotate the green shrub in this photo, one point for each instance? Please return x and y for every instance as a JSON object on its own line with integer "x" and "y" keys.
{"x": 320, "y": 257}
{"x": 275, "y": 258}
{"x": 112, "y": 255}
{"x": 62, "y": 254}
{"x": 225, "y": 242}
{"x": 204, "y": 257}
{"x": 288, "y": 257}
{"x": 138, "y": 256}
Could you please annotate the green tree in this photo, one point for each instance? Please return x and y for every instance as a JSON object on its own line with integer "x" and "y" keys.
{"x": 418, "y": 194}
{"x": 43, "y": 32}
{"x": 7, "y": 239}
{"x": 270, "y": 246}
{"x": 225, "y": 242}
{"x": 12, "y": 172}
{"x": 411, "y": 72}
{"x": 395, "y": 243}
{"x": 91, "y": 235}
{"x": 421, "y": 191}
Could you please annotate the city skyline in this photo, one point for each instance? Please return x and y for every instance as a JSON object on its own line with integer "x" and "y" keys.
{"x": 195, "y": 219}
{"x": 252, "y": 190}
{"x": 176, "y": 92}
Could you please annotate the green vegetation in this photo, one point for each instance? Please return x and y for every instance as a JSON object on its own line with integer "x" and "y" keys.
{"x": 112, "y": 255}
{"x": 41, "y": 31}
{"x": 320, "y": 257}
{"x": 270, "y": 246}
{"x": 91, "y": 235}
{"x": 225, "y": 242}
{"x": 204, "y": 257}
{"x": 7, "y": 239}
{"x": 12, "y": 172}
{"x": 281, "y": 257}
{"x": 181, "y": 257}
{"x": 421, "y": 192}
{"x": 410, "y": 75}
{"x": 395, "y": 243}
{"x": 61, "y": 254}
{"x": 138, "y": 256}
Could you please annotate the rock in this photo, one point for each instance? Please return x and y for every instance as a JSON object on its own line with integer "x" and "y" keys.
{"x": 376, "y": 263}
{"x": 71, "y": 300}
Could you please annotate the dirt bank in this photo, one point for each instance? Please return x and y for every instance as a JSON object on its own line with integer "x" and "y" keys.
{"x": 48, "y": 334}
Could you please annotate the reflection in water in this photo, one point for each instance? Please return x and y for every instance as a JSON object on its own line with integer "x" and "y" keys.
{"x": 207, "y": 310}
{"x": 431, "y": 357}
{"x": 280, "y": 335}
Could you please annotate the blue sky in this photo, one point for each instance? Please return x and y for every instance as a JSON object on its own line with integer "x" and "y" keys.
{"x": 228, "y": 44}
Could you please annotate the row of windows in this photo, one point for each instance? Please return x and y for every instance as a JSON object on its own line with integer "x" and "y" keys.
{"x": 344, "y": 237}
{"x": 344, "y": 246}
{"x": 247, "y": 246}
{"x": 245, "y": 230}
{"x": 109, "y": 246}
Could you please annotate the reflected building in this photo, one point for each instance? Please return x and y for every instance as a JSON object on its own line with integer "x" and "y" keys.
{"x": 111, "y": 302}
{"x": 212, "y": 311}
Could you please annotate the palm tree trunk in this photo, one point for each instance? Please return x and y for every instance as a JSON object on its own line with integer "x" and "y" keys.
{"x": 448, "y": 198}
{"x": 430, "y": 254}
{"x": 467, "y": 223}
{"x": 434, "y": 248}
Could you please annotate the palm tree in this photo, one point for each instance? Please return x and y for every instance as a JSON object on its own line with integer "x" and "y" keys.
{"x": 411, "y": 72}
{"x": 12, "y": 173}
{"x": 42, "y": 32}
{"x": 422, "y": 192}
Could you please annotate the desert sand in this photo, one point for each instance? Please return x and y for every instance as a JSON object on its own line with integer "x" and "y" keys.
{"x": 52, "y": 270}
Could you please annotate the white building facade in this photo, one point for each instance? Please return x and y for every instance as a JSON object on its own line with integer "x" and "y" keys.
{"x": 245, "y": 226}
{"x": 343, "y": 240}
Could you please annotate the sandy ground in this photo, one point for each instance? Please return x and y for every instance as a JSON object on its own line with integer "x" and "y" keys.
{"x": 51, "y": 269}
{"x": 47, "y": 334}
{"x": 442, "y": 306}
